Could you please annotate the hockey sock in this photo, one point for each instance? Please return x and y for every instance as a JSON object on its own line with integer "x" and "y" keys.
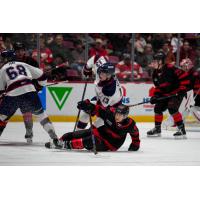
{"x": 28, "y": 121}
{"x": 178, "y": 119}
{"x": 158, "y": 119}
{"x": 47, "y": 125}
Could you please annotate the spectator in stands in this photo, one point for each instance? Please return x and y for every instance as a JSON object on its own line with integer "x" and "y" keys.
{"x": 174, "y": 43}
{"x": 157, "y": 41}
{"x": 187, "y": 52}
{"x": 197, "y": 59}
{"x": 58, "y": 47}
{"x": 59, "y": 74}
{"x": 145, "y": 59}
{"x": 2, "y": 44}
{"x": 124, "y": 69}
{"x": 140, "y": 43}
{"x": 98, "y": 49}
{"x": 167, "y": 50}
{"x": 79, "y": 56}
{"x": 22, "y": 55}
{"x": 46, "y": 56}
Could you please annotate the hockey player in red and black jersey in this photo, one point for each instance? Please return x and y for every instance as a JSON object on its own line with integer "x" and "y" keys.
{"x": 110, "y": 136}
{"x": 168, "y": 81}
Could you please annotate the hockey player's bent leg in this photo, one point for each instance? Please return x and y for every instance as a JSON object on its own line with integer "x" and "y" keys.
{"x": 30, "y": 102}
{"x": 82, "y": 139}
{"x": 3, "y": 123}
{"x": 158, "y": 117}
{"x": 28, "y": 122}
{"x": 8, "y": 107}
{"x": 173, "y": 108}
{"x": 43, "y": 118}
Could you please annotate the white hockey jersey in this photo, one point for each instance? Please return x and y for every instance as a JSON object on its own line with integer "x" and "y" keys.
{"x": 109, "y": 94}
{"x": 16, "y": 78}
{"x": 93, "y": 63}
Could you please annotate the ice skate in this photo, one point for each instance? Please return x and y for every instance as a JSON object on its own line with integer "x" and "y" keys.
{"x": 155, "y": 132}
{"x": 54, "y": 144}
{"x": 29, "y": 136}
{"x": 181, "y": 133}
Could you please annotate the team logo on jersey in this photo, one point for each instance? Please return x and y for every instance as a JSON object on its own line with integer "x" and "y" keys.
{"x": 60, "y": 95}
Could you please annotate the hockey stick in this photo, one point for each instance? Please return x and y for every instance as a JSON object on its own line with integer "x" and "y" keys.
{"x": 56, "y": 83}
{"x": 56, "y": 67}
{"x": 79, "y": 111}
{"x": 159, "y": 99}
{"x": 93, "y": 139}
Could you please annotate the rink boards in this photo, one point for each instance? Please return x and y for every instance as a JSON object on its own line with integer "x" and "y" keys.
{"x": 60, "y": 100}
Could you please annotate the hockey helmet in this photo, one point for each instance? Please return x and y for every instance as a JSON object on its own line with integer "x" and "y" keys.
{"x": 122, "y": 109}
{"x": 8, "y": 55}
{"x": 186, "y": 64}
{"x": 18, "y": 46}
{"x": 159, "y": 56}
{"x": 107, "y": 68}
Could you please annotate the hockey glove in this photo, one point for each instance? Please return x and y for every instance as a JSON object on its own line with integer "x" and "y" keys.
{"x": 87, "y": 72}
{"x": 133, "y": 147}
{"x": 154, "y": 100}
{"x": 86, "y": 106}
{"x": 37, "y": 86}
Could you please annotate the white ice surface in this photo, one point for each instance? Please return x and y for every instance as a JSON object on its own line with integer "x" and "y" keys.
{"x": 154, "y": 151}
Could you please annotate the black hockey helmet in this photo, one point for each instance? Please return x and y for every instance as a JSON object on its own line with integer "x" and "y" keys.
{"x": 122, "y": 109}
{"x": 18, "y": 46}
{"x": 107, "y": 68}
{"x": 159, "y": 56}
{"x": 8, "y": 55}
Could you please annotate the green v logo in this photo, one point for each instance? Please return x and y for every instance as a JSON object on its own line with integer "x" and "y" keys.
{"x": 60, "y": 95}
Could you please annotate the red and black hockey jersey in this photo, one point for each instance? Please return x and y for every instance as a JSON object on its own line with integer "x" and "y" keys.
{"x": 114, "y": 134}
{"x": 170, "y": 80}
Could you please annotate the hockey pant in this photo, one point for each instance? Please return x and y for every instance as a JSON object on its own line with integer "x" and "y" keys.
{"x": 172, "y": 105}
{"x": 27, "y": 103}
{"x": 82, "y": 139}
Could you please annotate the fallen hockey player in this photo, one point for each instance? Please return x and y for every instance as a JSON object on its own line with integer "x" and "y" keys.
{"x": 109, "y": 137}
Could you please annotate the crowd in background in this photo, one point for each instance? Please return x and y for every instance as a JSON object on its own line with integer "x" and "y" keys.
{"x": 62, "y": 56}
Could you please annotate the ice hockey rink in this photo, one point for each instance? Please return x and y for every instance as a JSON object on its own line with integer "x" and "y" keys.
{"x": 14, "y": 151}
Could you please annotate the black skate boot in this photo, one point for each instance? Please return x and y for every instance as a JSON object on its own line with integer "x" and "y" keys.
{"x": 181, "y": 133}
{"x": 29, "y": 136}
{"x": 56, "y": 144}
{"x": 155, "y": 132}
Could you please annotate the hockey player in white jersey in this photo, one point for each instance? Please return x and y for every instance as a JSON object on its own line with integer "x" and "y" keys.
{"x": 107, "y": 87}
{"x": 17, "y": 91}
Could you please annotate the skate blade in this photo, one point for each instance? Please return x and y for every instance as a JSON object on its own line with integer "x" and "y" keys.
{"x": 154, "y": 136}
{"x": 180, "y": 137}
{"x": 29, "y": 141}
